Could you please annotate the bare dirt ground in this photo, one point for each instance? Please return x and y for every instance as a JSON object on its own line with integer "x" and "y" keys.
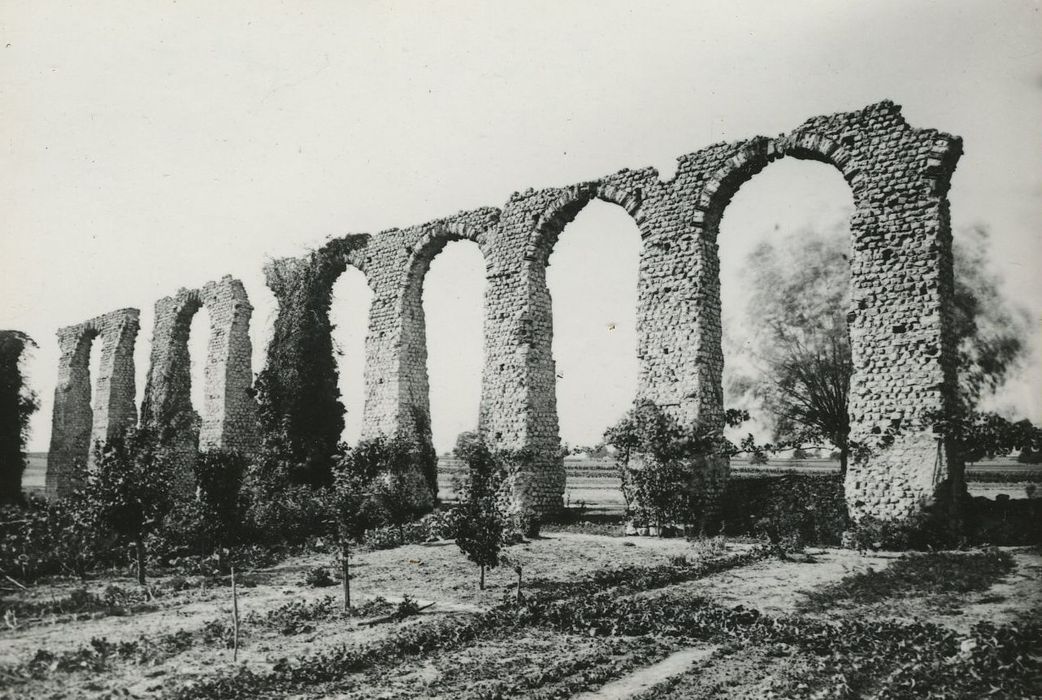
{"x": 553, "y": 664}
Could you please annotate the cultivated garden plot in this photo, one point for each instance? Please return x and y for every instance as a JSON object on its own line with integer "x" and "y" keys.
{"x": 595, "y": 610}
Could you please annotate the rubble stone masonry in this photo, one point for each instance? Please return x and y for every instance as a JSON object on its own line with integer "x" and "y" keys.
{"x": 228, "y": 420}
{"x": 900, "y": 325}
{"x": 75, "y": 426}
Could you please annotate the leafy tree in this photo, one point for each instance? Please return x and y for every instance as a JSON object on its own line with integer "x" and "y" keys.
{"x": 352, "y": 506}
{"x": 130, "y": 489}
{"x": 800, "y": 339}
{"x": 220, "y": 475}
{"x": 983, "y": 435}
{"x": 481, "y": 522}
{"x": 992, "y": 332}
{"x": 17, "y": 404}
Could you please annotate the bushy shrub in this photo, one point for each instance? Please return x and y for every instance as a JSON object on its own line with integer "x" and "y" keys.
{"x": 318, "y": 577}
{"x": 442, "y": 524}
{"x": 790, "y": 510}
{"x": 667, "y": 470}
{"x": 223, "y": 502}
{"x": 1004, "y": 522}
{"x": 183, "y": 535}
{"x": 44, "y": 538}
{"x": 284, "y": 513}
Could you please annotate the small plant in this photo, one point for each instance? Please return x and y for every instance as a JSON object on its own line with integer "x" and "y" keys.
{"x": 218, "y": 632}
{"x": 319, "y": 577}
{"x": 407, "y": 607}
{"x": 353, "y": 507}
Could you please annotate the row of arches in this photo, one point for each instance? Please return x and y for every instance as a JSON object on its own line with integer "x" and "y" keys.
{"x": 592, "y": 277}
{"x": 898, "y": 179}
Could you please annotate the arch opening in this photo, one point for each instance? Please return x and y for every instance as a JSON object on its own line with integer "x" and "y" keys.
{"x": 592, "y": 273}
{"x": 452, "y": 292}
{"x": 92, "y": 341}
{"x": 201, "y": 390}
{"x": 784, "y": 246}
{"x": 349, "y": 323}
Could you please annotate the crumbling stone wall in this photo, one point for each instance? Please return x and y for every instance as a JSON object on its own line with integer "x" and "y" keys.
{"x": 300, "y": 409}
{"x": 229, "y": 414}
{"x": 300, "y": 359}
{"x": 76, "y": 427}
{"x": 900, "y": 317}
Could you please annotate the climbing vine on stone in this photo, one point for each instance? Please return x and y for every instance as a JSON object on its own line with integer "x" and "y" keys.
{"x": 17, "y": 404}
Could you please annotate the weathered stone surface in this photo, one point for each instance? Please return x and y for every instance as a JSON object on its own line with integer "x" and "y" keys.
{"x": 900, "y": 317}
{"x": 229, "y": 413}
{"x": 75, "y": 425}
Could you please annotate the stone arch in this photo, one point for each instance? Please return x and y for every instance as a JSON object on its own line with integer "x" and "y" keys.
{"x": 567, "y": 205}
{"x": 76, "y": 424}
{"x": 901, "y": 311}
{"x": 756, "y": 155}
{"x": 230, "y": 420}
{"x": 901, "y": 282}
{"x": 406, "y": 410}
{"x": 542, "y": 485}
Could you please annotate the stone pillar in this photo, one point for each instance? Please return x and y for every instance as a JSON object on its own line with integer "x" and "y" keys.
{"x": 76, "y": 426}
{"x": 397, "y": 381}
{"x": 302, "y": 415}
{"x": 518, "y": 405}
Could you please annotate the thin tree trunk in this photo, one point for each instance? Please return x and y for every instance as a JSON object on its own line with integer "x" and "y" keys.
{"x": 519, "y": 585}
{"x": 139, "y": 548}
{"x": 235, "y": 618}
{"x": 482, "y": 584}
{"x": 345, "y": 563}
{"x": 844, "y": 452}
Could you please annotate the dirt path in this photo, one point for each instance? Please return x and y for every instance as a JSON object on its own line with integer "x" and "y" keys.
{"x": 642, "y": 680}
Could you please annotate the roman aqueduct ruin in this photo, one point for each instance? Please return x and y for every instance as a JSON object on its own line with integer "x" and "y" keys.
{"x": 900, "y": 326}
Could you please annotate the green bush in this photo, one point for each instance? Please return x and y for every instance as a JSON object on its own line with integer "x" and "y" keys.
{"x": 1005, "y": 522}
{"x": 285, "y": 513}
{"x": 45, "y": 538}
{"x": 318, "y": 577}
{"x": 788, "y": 509}
{"x": 667, "y": 469}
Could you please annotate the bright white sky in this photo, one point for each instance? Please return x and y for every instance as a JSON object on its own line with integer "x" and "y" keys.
{"x": 149, "y": 146}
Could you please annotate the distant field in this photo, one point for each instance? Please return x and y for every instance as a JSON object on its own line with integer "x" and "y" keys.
{"x": 595, "y": 482}
{"x": 35, "y": 472}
